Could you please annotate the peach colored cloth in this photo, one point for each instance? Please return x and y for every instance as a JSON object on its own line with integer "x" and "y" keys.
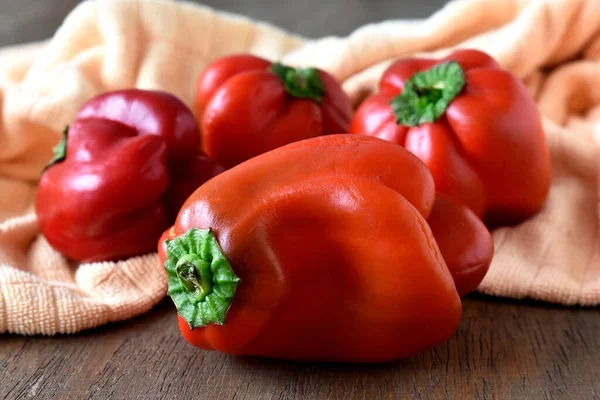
{"x": 553, "y": 45}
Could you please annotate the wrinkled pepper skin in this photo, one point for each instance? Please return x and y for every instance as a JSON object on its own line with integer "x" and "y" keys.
{"x": 132, "y": 158}
{"x": 335, "y": 258}
{"x": 463, "y": 240}
{"x": 247, "y": 105}
{"x": 486, "y": 150}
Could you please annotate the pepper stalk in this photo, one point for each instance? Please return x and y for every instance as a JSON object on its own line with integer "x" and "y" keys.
{"x": 303, "y": 83}
{"x": 202, "y": 283}
{"x": 427, "y": 95}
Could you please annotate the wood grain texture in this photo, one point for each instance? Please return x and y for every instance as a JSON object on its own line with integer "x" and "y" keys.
{"x": 502, "y": 349}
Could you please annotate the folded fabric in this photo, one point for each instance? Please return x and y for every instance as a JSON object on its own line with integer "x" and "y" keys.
{"x": 553, "y": 45}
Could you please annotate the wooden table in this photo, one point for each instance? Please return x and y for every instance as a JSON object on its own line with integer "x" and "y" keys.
{"x": 502, "y": 349}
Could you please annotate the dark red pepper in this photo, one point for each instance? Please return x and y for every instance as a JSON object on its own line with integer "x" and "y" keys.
{"x": 124, "y": 168}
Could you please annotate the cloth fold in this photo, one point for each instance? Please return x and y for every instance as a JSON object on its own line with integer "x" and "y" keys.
{"x": 553, "y": 45}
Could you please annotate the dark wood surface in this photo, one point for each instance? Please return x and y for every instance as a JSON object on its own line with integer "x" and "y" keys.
{"x": 503, "y": 349}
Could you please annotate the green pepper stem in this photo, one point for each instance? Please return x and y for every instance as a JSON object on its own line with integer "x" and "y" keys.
{"x": 60, "y": 150}
{"x": 195, "y": 275}
{"x": 427, "y": 95}
{"x": 202, "y": 283}
{"x": 304, "y": 83}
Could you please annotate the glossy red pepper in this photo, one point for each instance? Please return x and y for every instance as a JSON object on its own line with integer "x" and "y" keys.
{"x": 473, "y": 124}
{"x": 123, "y": 169}
{"x": 319, "y": 250}
{"x": 247, "y": 105}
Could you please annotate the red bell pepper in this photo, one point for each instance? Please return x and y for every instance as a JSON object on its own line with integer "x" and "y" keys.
{"x": 120, "y": 175}
{"x": 319, "y": 250}
{"x": 464, "y": 242}
{"x": 247, "y": 105}
{"x": 473, "y": 124}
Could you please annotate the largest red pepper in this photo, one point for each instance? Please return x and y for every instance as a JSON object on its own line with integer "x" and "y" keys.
{"x": 125, "y": 166}
{"x": 320, "y": 250}
{"x": 473, "y": 124}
